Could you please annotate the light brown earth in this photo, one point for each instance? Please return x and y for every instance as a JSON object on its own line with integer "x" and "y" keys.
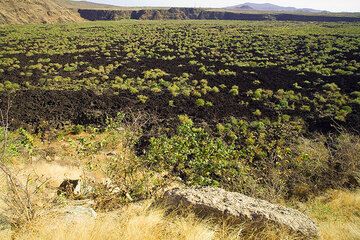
{"x": 36, "y": 11}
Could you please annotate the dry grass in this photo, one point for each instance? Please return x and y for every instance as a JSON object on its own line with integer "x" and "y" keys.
{"x": 134, "y": 222}
{"x": 137, "y": 222}
{"x": 337, "y": 212}
{"x": 3, "y": 189}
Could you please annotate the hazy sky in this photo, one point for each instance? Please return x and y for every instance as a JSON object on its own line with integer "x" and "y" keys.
{"x": 330, "y": 5}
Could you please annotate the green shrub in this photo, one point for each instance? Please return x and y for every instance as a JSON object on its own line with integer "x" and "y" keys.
{"x": 196, "y": 157}
{"x": 200, "y": 102}
{"x": 171, "y": 103}
{"x": 209, "y": 104}
{"x": 26, "y": 140}
{"x": 10, "y": 87}
{"x": 215, "y": 89}
{"x": 305, "y": 108}
{"x": 257, "y": 113}
{"x": 234, "y": 90}
{"x": 154, "y": 74}
{"x": 184, "y": 119}
{"x": 142, "y": 98}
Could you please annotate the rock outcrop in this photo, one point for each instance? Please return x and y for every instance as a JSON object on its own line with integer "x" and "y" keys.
{"x": 218, "y": 202}
{"x": 75, "y": 212}
{"x": 70, "y": 187}
{"x": 71, "y": 215}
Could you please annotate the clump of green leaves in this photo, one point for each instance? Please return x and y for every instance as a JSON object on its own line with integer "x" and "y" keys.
{"x": 142, "y": 98}
{"x": 234, "y": 90}
{"x": 196, "y": 157}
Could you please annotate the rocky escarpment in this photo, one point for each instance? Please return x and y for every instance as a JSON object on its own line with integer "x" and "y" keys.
{"x": 35, "y": 11}
{"x": 197, "y": 14}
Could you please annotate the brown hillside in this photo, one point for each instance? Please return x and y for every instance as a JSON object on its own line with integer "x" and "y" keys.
{"x": 36, "y": 11}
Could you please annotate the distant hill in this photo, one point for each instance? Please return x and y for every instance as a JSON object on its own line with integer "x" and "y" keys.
{"x": 76, "y": 5}
{"x": 36, "y": 11}
{"x": 246, "y": 7}
{"x": 86, "y": 5}
{"x": 270, "y": 8}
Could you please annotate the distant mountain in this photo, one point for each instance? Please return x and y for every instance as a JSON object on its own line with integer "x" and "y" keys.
{"x": 36, "y": 11}
{"x": 246, "y": 7}
{"x": 270, "y": 8}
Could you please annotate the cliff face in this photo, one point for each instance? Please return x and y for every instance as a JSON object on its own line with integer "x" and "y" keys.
{"x": 173, "y": 13}
{"x": 192, "y": 13}
{"x": 35, "y": 11}
{"x": 95, "y": 15}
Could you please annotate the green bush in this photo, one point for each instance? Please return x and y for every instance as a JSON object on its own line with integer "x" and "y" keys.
{"x": 196, "y": 157}
{"x": 257, "y": 113}
{"x": 200, "y": 102}
{"x": 142, "y": 98}
{"x": 234, "y": 90}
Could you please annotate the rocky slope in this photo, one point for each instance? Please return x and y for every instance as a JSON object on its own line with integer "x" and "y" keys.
{"x": 71, "y": 4}
{"x": 35, "y": 11}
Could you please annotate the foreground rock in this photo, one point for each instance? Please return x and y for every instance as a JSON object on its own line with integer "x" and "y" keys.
{"x": 218, "y": 202}
{"x": 74, "y": 215}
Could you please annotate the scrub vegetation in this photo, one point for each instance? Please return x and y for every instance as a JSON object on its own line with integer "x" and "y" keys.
{"x": 268, "y": 109}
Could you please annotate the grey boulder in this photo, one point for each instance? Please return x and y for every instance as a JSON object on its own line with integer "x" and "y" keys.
{"x": 218, "y": 202}
{"x": 74, "y": 215}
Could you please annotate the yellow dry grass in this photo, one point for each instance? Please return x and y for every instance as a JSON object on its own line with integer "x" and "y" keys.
{"x": 2, "y": 190}
{"x": 134, "y": 222}
{"x": 138, "y": 222}
{"x": 337, "y": 214}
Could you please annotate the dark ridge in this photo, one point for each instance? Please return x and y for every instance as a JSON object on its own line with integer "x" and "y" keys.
{"x": 198, "y": 14}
